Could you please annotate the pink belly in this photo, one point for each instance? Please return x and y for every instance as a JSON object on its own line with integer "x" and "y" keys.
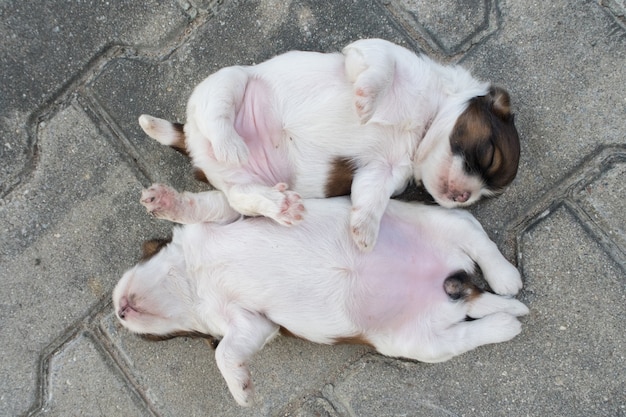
{"x": 402, "y": 279}
{"x": 261, "y": 129}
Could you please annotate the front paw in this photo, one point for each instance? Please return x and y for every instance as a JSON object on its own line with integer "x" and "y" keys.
{"x": 364, "y": 230}
{"x": 365, "y": 101}
{"x": 160, "y": 200}
{"x": 232, "y": 151}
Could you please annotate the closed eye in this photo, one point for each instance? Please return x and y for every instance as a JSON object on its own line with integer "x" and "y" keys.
{"x": 487, "y": 156}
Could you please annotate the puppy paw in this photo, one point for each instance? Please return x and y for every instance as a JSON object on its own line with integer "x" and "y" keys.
{"x": 232, "y": 151}
{"x": 365, "y": 101}
{"x": 160, "y": 201}
{"x": 243, "y": 393}
{"x": 506, "y": 281}
{"x": 501, "y": 327}
{"x": 517, "y": 308}
{"x": 290, "y": 207}
{"x": 364, "y": 230}
{"x": 240, "y": 384}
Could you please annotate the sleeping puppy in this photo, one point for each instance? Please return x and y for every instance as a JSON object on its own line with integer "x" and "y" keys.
{"x": 243, "y": 280}
{"x": 366, "y": 122}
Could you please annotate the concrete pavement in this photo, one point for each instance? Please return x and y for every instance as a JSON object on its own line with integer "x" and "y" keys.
{"x": 76, "y": 75}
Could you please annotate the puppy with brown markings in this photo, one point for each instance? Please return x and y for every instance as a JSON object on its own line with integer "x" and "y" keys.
{"x": 366, "y": 122}
{"x": 243, "y": 280}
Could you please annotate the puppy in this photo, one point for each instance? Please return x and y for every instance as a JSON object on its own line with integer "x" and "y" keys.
{"x": 243, "y": 280}
{"x": 364, "y": 122}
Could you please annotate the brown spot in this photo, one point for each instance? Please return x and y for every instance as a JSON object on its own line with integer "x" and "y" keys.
{"x": 357, "y": 339}
{"x": 458, "y": 286}
{"x": 486, "y": 137}
{"x": 180, "y": 143}
{"x": 340, "y": 176}
{"x": 287, "y": 333}
{"x": 211, "y": 340}
{"x": 149, "y": 248}
{"x": 198, "y": 174}
{"x": 500, "y": 102}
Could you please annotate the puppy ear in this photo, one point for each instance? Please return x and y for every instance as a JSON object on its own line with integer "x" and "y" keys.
{"x": 500, "y": 102}
{"x": 149, "y": 248}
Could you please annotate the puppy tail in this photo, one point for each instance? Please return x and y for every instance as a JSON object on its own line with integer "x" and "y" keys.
{"x": 480, "y": 303}
{"x": 459, "y": 287}
{"x": 164, "y": 132}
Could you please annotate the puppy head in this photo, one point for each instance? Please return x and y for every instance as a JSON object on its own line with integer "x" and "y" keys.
{"x": 481, "y": 156}
{"x": 154, "y": 296}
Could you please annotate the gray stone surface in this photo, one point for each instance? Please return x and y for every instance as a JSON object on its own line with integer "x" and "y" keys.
{"x": 48, "y": 46}
{"x": 75, "y": 77}
{"x": 72, "y": 387}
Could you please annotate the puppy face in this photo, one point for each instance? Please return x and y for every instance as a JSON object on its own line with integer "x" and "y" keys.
{"x": 481, "y": 156}
{"x": 153, "y": 297}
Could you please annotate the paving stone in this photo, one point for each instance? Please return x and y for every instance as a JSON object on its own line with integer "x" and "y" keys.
{"x": 313, "y": 407}
{"x": 181, "y": 378}
{"x": 82, "y": 383}
{"x": 574, "y": 361}
{"x": 564, "y": 65}
{"x": 450, "y": 26}
{"x": 603, "y": 199}
{"x": 69, "y": 35}
{"x": 377, "y": 386}
{"x": 65, "y": 241}
{"x": 244, "y": 33}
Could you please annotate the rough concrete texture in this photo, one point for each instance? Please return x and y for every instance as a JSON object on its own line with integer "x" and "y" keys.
{"x": 75, "y": 77}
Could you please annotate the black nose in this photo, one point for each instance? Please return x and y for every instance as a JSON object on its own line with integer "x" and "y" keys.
{"x": 124, "y": 305}
{"x": 122, "y": 312}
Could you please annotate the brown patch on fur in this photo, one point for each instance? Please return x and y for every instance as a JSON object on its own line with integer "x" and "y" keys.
{"x": 486, "y": 137}
{"x": 211, "y": 340}
{"x": 180, "y": 145}
{"x": 339, "y": 181}
{"x": 287, "y": 333}
{"x": 358, "y": 339}
{"x": 458, "y": 286}
{"x": 149, "y": 248}
{"x": 198, "y": 174}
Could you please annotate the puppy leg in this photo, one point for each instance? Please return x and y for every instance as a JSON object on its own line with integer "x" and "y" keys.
{"x": 371, "y": 71}
{"x": 246, "y": 335}
{"x": 464, "y": 230}
{"x": 164, "y": 132}
{"x": 372, "y": 187}
{"x": 467, "y": 335}
{"x": 166, "y": 203}
{"x": 212, "y": 111}
{"x": 278, "y": 203}
{"x": 487, "y": 303}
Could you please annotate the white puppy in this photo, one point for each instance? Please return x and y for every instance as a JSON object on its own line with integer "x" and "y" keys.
{"x": 367, "y": 121}
{"x": 245, "y": 280}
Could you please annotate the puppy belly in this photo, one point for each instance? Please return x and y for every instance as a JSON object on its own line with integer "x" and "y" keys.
{"x": 402, "y": 279}
{"x": 256, "y": 122}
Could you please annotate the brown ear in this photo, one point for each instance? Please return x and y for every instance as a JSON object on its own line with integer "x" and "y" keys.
{"x": 500, "y": 102}
{"x": 149, "y": 248}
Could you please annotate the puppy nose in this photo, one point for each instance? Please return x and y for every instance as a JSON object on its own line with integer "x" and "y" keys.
{"x": 121, "y": 313}
{"x": 462, "y": 197}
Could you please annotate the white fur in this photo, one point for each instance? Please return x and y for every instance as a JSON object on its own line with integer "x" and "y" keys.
{"x": 240, "y": 280}
{"x": 377, "y": 103}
